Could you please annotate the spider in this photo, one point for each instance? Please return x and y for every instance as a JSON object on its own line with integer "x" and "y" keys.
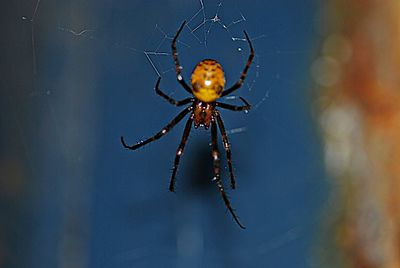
{"x": 208, "y": 82}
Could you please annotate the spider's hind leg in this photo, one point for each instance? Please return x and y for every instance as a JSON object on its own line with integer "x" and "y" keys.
{"x": 178, "y": 67}
{"x": 168, "y": 98}
{"x": 239, "y": 83}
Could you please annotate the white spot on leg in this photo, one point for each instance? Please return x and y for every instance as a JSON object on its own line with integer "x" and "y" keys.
{"x": 179, "y": 77}
{"x": 164, "y": 131}
{"x": 179, "y": 152}
{"x": 226, "y": 145}
{"x": 215, "y": 156}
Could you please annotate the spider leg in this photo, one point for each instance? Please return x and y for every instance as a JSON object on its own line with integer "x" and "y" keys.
{"x": 217, "y": 172}
{"x": 245, "y": 107}
{"x": 161, "y": 133}
{"x": 227, "y": 148}
{"x": 179, "y": 153}
{"x": 244, "y": 73}
{"x": 168, "y": 98}
{"x": 178, "y": 67}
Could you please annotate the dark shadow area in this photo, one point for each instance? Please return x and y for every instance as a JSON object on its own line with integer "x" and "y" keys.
{"x": 18, "y": 119}
{"x": 198, "y": 187}
{"x": 198, "y": 175}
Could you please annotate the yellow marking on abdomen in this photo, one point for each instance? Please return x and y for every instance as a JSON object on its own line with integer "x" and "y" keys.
{"x": 208, "y": 80}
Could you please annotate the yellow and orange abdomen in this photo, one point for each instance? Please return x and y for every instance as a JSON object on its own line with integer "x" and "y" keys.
{"x": 208, "y": 80}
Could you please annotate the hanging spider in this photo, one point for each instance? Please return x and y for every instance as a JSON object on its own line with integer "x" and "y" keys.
{"x": 208, "y": 82}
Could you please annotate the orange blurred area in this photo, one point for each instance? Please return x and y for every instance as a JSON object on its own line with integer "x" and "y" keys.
{"x": 357, "y": 73}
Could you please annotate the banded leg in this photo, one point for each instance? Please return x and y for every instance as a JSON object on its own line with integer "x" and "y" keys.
{"x": 178, "y": 67}
{"x": 161, "y": 133}
{"x": 168, "y": 98}
{"x": 217, "y": 172}
{"x": 244, "y": 73}
{"x": 235, "y": 108}
{"x": 227, "y": 148}
{"x": 179, "y": 152}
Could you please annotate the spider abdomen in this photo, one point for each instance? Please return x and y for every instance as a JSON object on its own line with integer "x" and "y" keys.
{"x": 208, "y": 80}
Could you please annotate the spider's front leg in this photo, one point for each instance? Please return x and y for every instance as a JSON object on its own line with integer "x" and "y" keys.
{"x": 227, "y": 148}
{"x": 179, "y": 153}
{"x": 217, "y": 172}
{"x": 161, "y": 133}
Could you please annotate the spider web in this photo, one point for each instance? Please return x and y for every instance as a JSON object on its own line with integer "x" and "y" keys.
{"x": 205, "y": 21}
{"x": 201, "y": 25}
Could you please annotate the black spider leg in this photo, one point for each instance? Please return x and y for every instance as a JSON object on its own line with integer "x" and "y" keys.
{"x": 178, "y": 67}
{"x": 244, "y": 73}
{"x": 169, "y": 99}
{"x": 164, "y": 131}
{"x": 217, "y": 172}
{"x": 245, "y": 107}
{"x": 179, "y": 153}
{"x": 227, "y": 148}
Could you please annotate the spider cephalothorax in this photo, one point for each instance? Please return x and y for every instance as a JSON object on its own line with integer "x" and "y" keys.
{"x": 208, "y": 83}
{"x": 203, "y": 114}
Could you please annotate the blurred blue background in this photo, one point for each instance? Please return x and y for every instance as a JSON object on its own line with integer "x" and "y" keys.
{"x": 79, "y": 74}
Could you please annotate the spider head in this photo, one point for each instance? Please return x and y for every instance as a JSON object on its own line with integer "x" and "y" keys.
{"x": 208, "y": 80}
